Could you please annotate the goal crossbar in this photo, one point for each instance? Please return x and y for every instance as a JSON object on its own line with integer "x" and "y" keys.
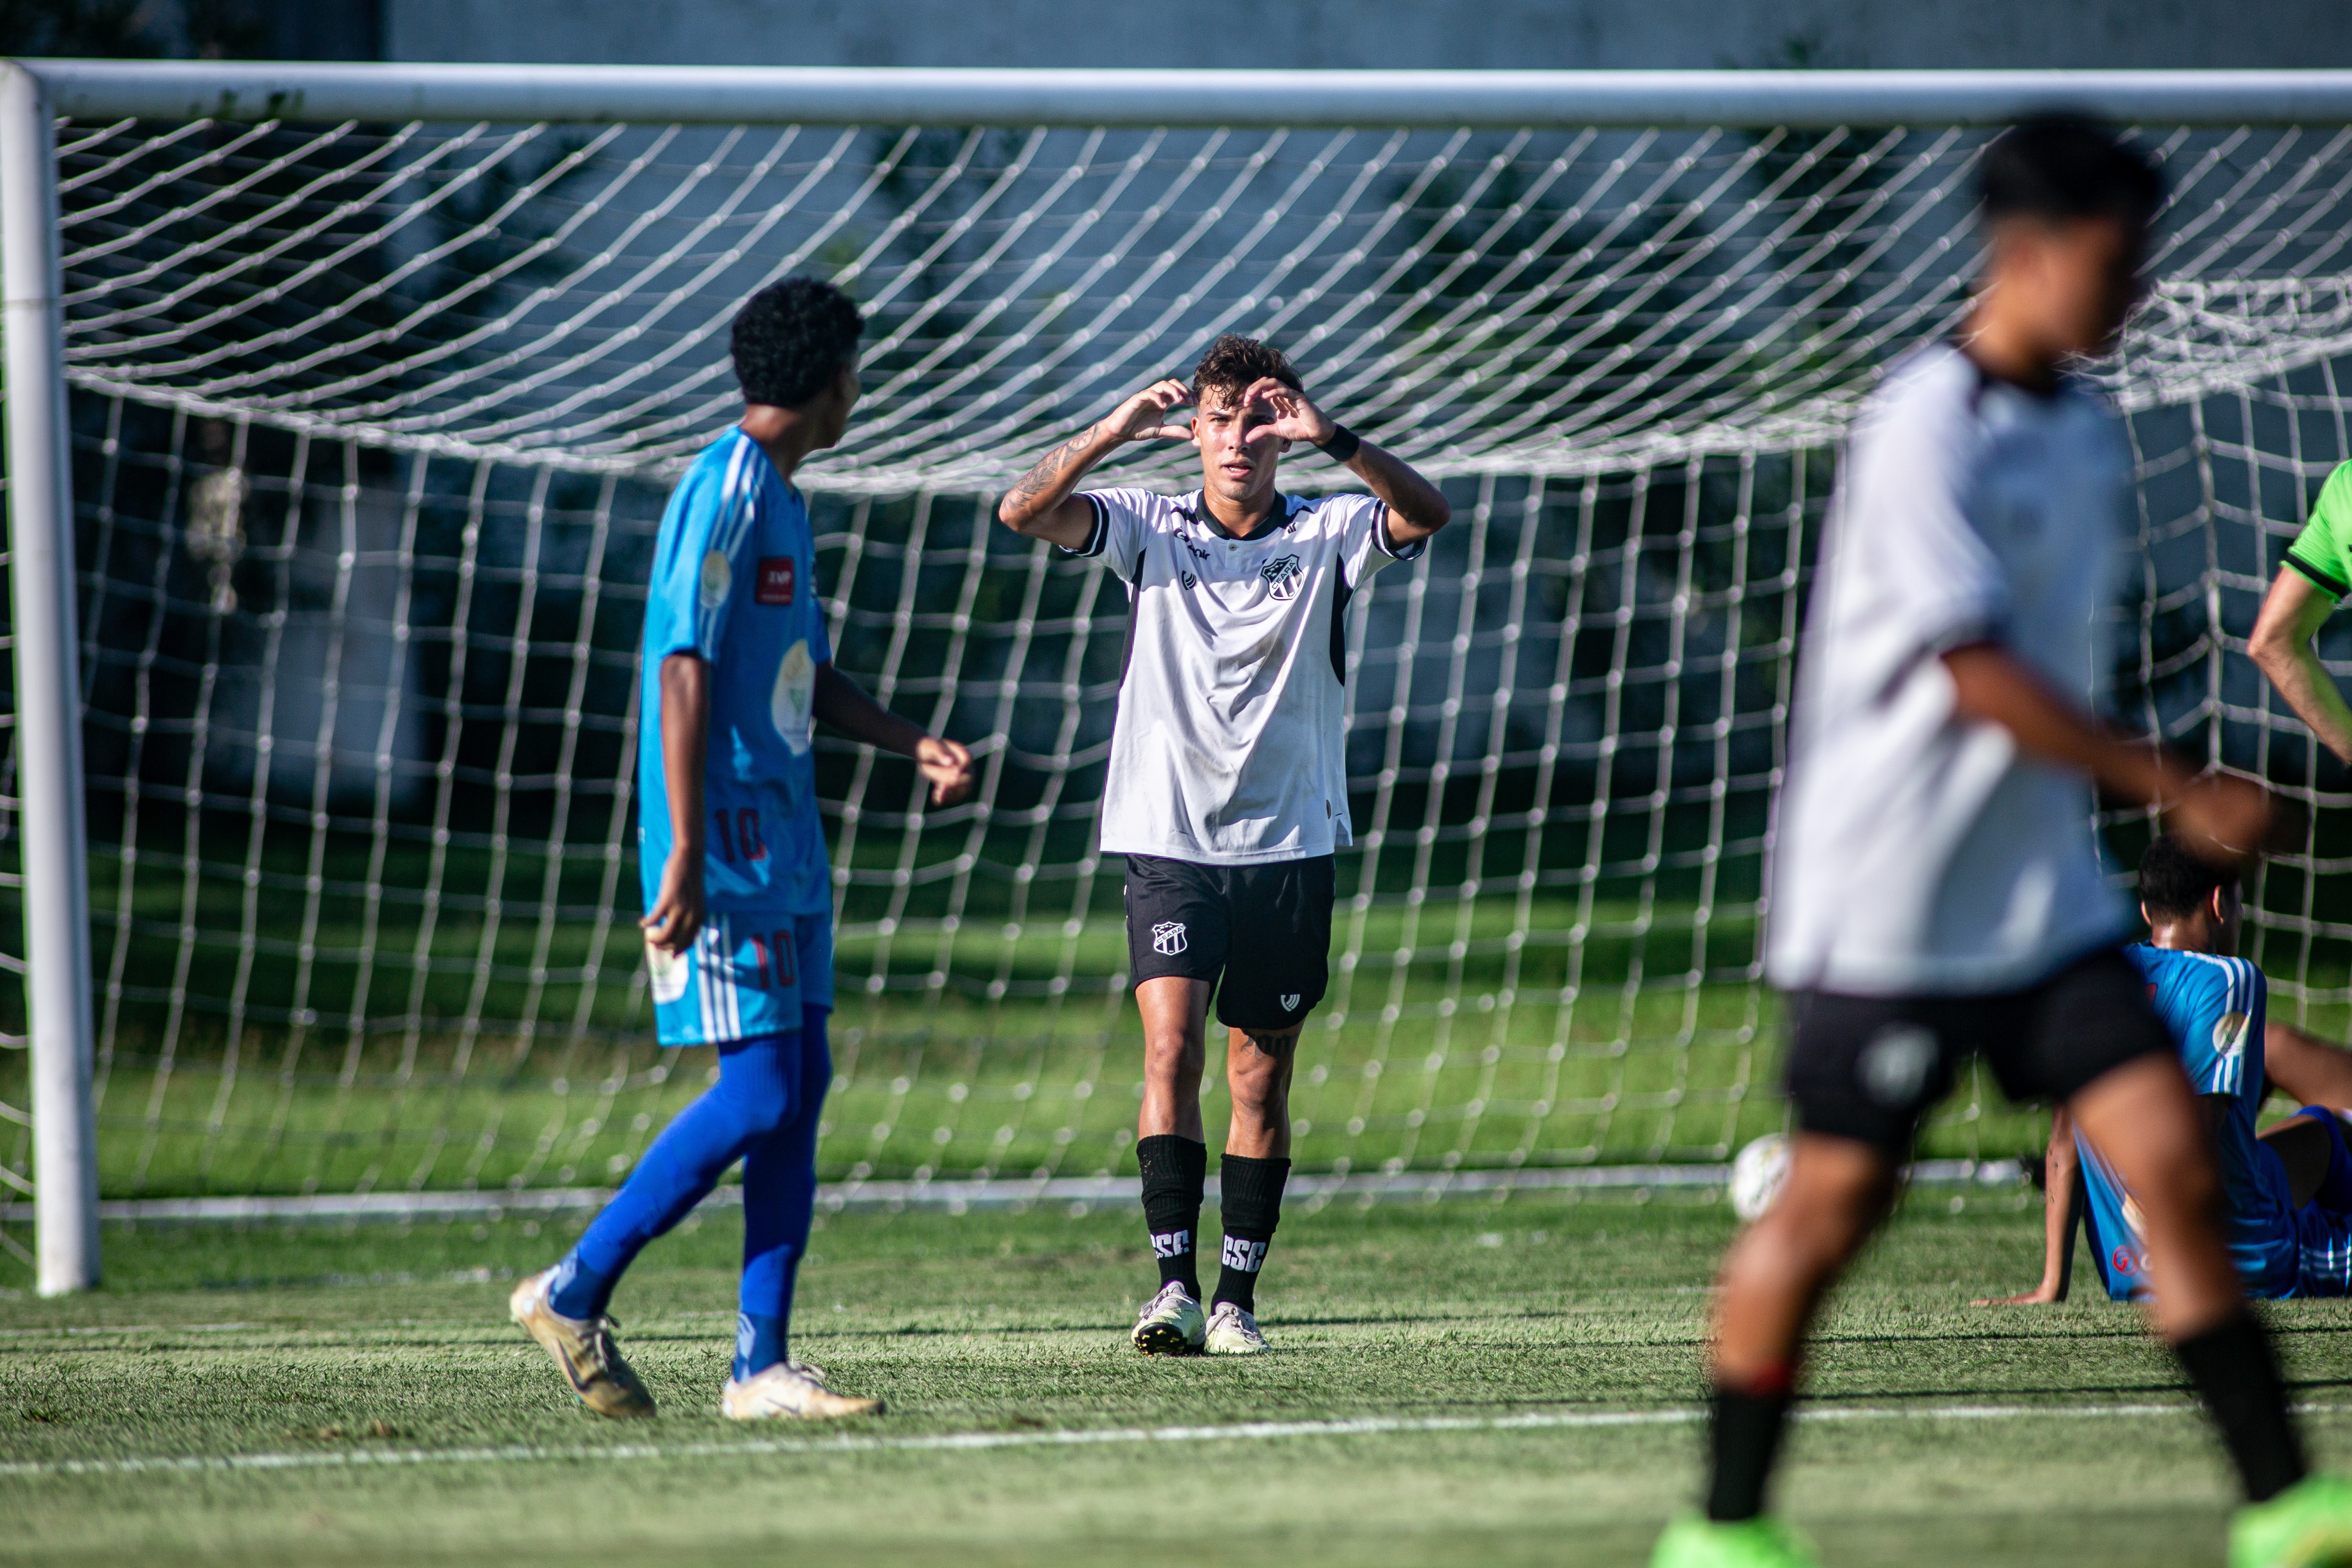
{"x": 845, "y": 95}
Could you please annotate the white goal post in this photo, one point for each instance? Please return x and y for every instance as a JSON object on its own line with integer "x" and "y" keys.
{"x": 2264, "y": 298}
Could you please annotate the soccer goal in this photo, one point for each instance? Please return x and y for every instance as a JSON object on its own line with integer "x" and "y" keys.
{"x": 342, "y": 401}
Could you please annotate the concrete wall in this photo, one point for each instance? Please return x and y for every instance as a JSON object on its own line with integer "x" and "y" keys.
{"x": 1469, "y": 34}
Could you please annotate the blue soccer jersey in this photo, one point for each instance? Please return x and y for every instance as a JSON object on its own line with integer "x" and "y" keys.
{"x": 2214, "y": 1009}
{"x": 734, "y": 581}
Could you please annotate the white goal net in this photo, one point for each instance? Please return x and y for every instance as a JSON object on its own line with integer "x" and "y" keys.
{"x": 372, "y": 425}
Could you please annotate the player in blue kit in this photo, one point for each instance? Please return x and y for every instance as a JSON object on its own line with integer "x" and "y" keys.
{"x": 739, "y": 897}
{"x": 2286, "y": 1194}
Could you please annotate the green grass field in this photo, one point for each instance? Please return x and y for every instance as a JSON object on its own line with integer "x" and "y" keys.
{"x": 1519, "y": 1378}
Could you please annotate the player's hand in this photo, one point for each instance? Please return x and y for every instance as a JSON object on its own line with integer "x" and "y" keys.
{"x": 1295, "y": 417}
{"x": 2220, "y": 818}
{"x": 2040, "y": 1296}
{"x": 677, "y": 914}
{"x": 1144, "y": 416}
{"x": 948, "y": 766}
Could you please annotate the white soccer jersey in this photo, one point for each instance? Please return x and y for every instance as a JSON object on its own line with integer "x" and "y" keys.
{"x": 1227, "y": 748}
{"x": 1917, "y": 853}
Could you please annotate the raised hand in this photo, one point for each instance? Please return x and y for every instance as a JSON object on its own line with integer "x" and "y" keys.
{"x": 1295, "y": 417}
{"x": 1144, "y": 416}
{"x": 2220, "y": 818}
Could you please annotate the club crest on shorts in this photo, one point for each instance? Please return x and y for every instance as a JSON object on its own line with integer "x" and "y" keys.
{"x": 1894, "y": 1066}
{"x": 1282, "y": 577}
{"x": 1168, "y": 937}
{"x": 1289, "y": 1000}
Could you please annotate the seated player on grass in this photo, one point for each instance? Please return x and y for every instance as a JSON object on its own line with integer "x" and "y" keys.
{"x": 2286, "y": 1194}
{"x": 739, "y": 898}
{"x": 1228, "y": 783}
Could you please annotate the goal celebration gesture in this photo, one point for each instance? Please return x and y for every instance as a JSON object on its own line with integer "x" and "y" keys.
{"x": 1227, "y": 790}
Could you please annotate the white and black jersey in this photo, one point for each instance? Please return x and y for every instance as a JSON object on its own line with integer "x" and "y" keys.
{"x": 1921, "y": 854}
{"x": 1227, "y": 748}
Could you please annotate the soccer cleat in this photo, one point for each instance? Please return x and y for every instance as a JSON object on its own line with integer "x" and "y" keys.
{"x": 789, "y": 1388}
{"x": 583, "y": 1352}
{"x": 1233, "y": 1332}
{"x": 2309, "y": 1525}
{"x": 1171, "y": 1323}
{"x": 1694, "y": 1542}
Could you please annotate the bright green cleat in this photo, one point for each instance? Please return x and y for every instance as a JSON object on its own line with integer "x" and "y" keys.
{"x": 2309, "y": 1525}
{"x": 1694, "y": 1542}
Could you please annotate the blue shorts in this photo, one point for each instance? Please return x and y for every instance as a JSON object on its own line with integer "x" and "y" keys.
{"x": 2322, "y": 1230}
{"x": 746, "y": 976}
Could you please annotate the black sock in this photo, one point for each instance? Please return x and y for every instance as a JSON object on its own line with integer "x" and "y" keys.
{"x": 1745, "y": 1437}
{"x": 1251, "y": 1197}
{"x": 2233, "y": 1372}
{"x": 1174, "y": 1171}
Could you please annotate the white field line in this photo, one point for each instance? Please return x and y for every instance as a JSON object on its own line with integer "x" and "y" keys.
{"x": 960, "y": 1196}
{"x": 1362, "y": 1426}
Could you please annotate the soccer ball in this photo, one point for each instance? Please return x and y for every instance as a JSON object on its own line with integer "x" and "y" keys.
{"x": 1758, "y": 1174}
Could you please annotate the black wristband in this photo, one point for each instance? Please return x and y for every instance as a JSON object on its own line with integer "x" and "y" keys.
{"x": 1342, "y": 444}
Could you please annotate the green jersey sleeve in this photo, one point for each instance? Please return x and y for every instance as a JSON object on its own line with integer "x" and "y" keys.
{"x": 2322, "y": 552}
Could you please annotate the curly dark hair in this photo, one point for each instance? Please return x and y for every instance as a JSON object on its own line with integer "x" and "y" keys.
{"x": 1233, "y": 362}
{"x": 2174, "y": 882}
{"x": 792, "y": 339}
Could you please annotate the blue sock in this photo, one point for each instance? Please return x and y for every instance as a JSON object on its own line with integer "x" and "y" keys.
{"x": 578, "y": 1291}
{"x": 778, "y": 1200}
{"x": 759, "y": 1343}
{"x": 754, "y": 1096}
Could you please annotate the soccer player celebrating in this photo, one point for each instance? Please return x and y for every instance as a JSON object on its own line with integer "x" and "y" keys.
{"x": 1937, "y": 890}
{"x": 1228, "y": 781}
{"x": 2286, "y": 1194}
{"x": 739, "y": 900}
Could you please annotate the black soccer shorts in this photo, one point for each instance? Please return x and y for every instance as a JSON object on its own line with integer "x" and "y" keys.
{"x": 1868, "y": 1068}
{"x": 1263, "y": 930}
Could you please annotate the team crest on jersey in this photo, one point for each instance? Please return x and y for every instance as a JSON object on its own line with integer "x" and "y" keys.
{"x": 793, "y": 700}
{"x": 1282, "y": 577}
{"x": 1187, "y": 579}
{"x": 1168, "y": 937}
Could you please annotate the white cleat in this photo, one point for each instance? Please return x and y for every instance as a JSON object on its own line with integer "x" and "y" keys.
{"x": 789, "y": 1388}
{"x": 1171, "y": 1323}
{"x": 1233, "y": 1332}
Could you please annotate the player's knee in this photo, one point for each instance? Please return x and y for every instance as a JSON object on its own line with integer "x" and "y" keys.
{"x": 755, "y": 1088}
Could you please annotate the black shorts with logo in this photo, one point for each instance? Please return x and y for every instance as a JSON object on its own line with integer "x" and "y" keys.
{"x": 1264, "y": 930}
{"x": 1869, "y": 1068}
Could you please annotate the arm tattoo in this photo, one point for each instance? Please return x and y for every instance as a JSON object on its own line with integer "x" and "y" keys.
{"x": 1049, "y": 470}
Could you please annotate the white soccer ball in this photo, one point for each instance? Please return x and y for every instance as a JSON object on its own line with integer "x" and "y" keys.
{"x": 1757, "y": 1175}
